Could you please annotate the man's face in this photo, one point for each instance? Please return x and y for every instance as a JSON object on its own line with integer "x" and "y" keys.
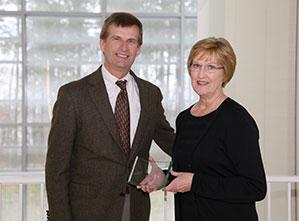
{"x": 120, "y": 49}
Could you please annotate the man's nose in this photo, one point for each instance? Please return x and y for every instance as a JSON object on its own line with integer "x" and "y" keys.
{"x": 124, "y": 46}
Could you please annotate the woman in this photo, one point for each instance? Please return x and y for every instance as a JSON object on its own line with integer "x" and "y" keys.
{"x": 219, "y": 173}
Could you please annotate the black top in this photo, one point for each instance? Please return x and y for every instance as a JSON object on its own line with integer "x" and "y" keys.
{"x": 222, "y": 150}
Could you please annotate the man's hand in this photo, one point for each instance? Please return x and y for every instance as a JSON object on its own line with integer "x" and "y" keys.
{"x": 154, "y": 180}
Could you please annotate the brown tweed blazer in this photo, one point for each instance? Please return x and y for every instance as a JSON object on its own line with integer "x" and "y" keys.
{"x": 86, "y": 168}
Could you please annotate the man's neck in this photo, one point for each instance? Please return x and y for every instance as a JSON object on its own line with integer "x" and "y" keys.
{"x": 117, "y": 73}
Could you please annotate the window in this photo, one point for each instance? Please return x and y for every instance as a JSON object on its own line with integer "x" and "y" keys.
{"x": 46, "y": 43}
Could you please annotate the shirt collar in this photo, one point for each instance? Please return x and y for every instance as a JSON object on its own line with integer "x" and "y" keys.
{"x": 111, "y": 79}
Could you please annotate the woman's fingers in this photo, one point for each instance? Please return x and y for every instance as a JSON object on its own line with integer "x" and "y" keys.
{"x": 182, "y": 183}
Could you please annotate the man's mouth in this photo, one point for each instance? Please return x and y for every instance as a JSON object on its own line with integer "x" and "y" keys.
{"x": 122, "y": 55}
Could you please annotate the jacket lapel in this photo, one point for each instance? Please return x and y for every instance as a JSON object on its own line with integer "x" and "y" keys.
{"x": 99, "y": 95}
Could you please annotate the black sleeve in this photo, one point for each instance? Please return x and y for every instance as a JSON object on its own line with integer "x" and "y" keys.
{"x": 242, "y": 148}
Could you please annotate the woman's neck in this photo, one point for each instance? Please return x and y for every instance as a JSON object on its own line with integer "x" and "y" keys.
{"x": 207, "y": 104}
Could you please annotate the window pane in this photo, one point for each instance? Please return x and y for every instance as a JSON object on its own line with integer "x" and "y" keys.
{"x": 190, "y": 7}
{"x": 10, "y": 39}
{"x": 10, "y": 147}
{"x": 9, "y": 202}
{"x": 69, "y": 54}
{"x": 10, "y": 5}
{"x": 188, "y": 96}
{"x": 159, "y": 61}
{"x": 34, "y": 212}
{"x": 158, "y": 6}
{"x": 64, "y": 6}
{"x": 190, "y": 36}
{"x": 10, "y": 70}
{"x": 37, "y": 147}
{"x": 10, "y": 93}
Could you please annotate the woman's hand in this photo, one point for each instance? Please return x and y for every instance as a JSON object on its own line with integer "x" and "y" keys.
{"x": 181, "y": 184}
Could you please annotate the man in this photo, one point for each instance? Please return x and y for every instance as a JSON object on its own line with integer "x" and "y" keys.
{"x": 93, "y": 144}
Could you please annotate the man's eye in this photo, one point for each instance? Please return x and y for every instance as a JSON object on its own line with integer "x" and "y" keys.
{"x": 132, "y": 41}
{"x": 115, "y": 38}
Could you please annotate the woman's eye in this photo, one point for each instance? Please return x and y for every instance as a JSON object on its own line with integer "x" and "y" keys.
{"x": 211, "y": 67}
{"x": 196, "y": 66}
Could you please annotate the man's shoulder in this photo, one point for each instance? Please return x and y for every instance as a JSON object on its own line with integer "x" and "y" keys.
{"x": 79, "y": 83}
{"x": 145, "y": 83}
{"x": 142, "y": 81}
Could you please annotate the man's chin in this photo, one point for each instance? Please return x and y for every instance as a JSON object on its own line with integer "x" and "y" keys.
{"x": 123, "y": 65}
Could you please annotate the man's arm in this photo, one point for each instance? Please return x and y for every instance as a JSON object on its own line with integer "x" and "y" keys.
{"x": 60, "y": 145}
{"x": 164, "y": 134}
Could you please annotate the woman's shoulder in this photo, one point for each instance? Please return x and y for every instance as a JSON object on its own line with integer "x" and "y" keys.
{"x": 185, "y": 112}
{"x": 235, "y": 112}
{"x": 234, "y": 108}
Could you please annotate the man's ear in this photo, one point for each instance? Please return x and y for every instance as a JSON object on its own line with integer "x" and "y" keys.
{"x": 139, "y": 50}
{"x": 102, "y": 44}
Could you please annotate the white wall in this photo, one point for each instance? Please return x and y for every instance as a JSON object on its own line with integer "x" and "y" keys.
{"x": 263, "y": 34}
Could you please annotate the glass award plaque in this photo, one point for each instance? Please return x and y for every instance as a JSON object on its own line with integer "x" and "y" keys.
{"x": 139, "y": 171}
{"x": 156, "y": 172}
{"x": 167, "y": 177}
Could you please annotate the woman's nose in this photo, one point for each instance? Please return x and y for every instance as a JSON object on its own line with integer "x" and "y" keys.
{"x": 201, "y": 72}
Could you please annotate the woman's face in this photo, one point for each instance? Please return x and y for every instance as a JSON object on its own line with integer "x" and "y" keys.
{"x": 207, "y": 76}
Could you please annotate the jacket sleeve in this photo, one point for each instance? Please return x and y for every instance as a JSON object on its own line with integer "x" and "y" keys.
{"x": 60, "y": 145}
{"x": 164, "y": 133}
{"x": 248, "y": 184}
